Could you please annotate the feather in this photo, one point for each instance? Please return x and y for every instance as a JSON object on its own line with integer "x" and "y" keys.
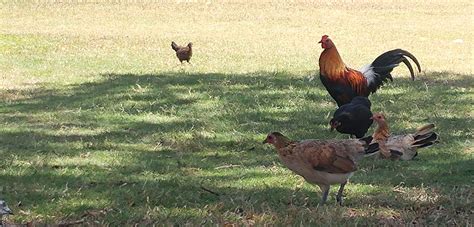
{"x": 380, "y": 70}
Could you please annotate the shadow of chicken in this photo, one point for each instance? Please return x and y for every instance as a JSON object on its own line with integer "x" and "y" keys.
{"x": 184, "y": 53}
{"x": 403, "y": 147}
{"x": 322, "y": 162}
{"x": 353, "y": 118}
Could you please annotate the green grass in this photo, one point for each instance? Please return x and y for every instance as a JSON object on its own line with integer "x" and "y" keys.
{"x": 101, "y": 123}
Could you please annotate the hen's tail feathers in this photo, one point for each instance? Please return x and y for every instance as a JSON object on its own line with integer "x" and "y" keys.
{"x": 370, "y": 148}
{"x": 380, "y": 70}
{"x": 425, "y": 129}
{"x": 373, "y": 148}
{"x": 174, "y": 46}
{"x": 425, "y": 136}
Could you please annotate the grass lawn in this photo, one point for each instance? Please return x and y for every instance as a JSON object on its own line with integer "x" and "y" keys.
{"x": 101, "y": 125}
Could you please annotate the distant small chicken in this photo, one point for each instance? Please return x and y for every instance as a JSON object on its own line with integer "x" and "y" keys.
{"x": 353, "y": 118}
{"x": 402, "y": 147}
{"x": 322, "y": 162}
{"x": 184, "y": 53}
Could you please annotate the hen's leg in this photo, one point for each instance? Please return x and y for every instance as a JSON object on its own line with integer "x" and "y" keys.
{"x": 339, "y": 193}
{"x": 325, "y": 191}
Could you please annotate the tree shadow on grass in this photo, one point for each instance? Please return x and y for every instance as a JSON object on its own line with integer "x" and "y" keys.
{"x": 143, "y": 141}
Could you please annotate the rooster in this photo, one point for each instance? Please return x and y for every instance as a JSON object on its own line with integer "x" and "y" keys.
{"x": 184, "y": 53}
{"x": 353, "y": 118}
{"x": 402, "y": 147}
{"x": 322, "y": 162}
{"x": 344, "y": 83}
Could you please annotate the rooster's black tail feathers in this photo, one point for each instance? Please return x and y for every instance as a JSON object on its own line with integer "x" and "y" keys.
{"x": 381, "y": 68}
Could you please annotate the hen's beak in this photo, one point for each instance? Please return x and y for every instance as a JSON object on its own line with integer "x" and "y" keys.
{"x": 320, "y": 41}
{"x": 264, "y": 142}
{"x": 371, "y": 118}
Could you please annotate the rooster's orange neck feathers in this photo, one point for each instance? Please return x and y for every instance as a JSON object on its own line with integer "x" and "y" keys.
{"x": 330, "y": 63}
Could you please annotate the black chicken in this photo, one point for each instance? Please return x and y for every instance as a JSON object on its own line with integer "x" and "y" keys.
{"x": 353, "y": 118}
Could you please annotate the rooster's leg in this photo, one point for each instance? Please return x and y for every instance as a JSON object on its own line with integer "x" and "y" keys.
{"x": 325, "y": 191}
{"x": 339, "y": 193}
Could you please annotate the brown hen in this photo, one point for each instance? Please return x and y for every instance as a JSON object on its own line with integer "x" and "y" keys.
{"x": 322, "y": 162}
{"x": 402, "y": 147}
{"x": 184, "y": 53}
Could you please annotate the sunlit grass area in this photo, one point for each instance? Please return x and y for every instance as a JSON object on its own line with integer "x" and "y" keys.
{"x": 101, "y": 124}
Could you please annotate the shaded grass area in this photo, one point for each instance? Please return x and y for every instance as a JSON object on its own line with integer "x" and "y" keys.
{"x": 149, "y": 148}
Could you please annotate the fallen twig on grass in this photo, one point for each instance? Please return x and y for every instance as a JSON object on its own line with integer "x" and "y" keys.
{"x": 208, "y": 190}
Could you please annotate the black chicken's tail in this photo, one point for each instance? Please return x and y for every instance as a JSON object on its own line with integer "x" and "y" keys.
{"x": 425, "y": 136}
{"x": 380, "y": 70}
{"x": 174, "y": 46}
